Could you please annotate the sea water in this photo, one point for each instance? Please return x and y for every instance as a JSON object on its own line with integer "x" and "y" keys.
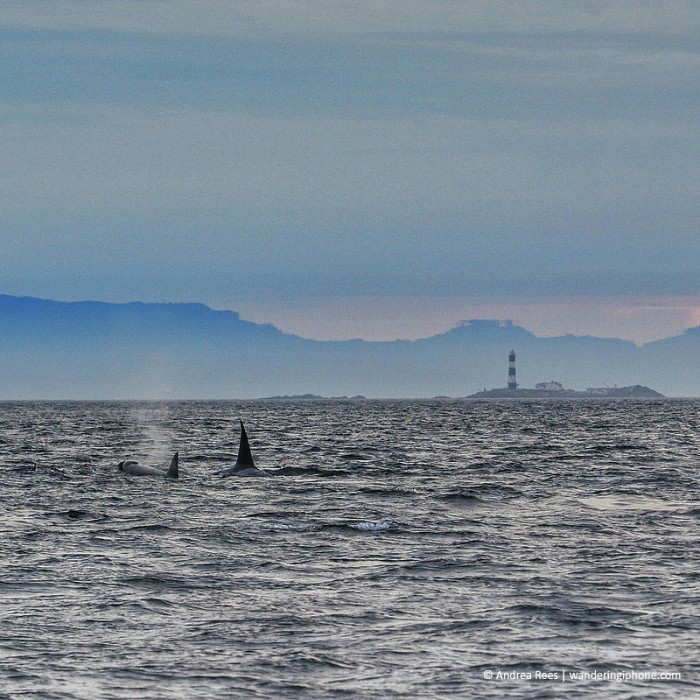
{"x": 414, "y": 549}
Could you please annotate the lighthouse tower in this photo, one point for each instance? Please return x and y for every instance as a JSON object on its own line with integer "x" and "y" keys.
{"x": 512, "y": 384}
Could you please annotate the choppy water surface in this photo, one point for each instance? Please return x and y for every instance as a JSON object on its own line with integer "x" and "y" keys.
{"x": 416, "y": 548}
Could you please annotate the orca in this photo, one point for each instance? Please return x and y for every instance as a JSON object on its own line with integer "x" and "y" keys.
{"x": 135, "y": 469}
{"x": 244, "y": 466}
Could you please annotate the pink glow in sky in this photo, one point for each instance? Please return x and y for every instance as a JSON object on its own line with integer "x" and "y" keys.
{"x": 641, "y": 319}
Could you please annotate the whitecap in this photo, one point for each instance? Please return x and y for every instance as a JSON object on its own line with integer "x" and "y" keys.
{"x": 373, "y": 527}
{"x": 285, "y": 527}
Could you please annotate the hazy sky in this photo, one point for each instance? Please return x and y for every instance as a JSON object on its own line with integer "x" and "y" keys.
{"x": 357, "y": 168}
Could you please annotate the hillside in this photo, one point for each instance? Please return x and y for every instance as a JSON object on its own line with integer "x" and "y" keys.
{"x": 52, "y": 349}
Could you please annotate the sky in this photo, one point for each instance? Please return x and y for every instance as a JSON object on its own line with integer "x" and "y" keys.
{"x": 374, "y": 169}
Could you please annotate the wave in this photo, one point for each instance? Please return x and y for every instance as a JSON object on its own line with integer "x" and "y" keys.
{"x": 373, "y": 527}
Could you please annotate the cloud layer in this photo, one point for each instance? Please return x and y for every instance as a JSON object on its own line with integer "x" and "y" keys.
{"x": 261, "y": 151}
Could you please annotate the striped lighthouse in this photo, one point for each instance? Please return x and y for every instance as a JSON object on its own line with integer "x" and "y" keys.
{"x": 512, "y": 384}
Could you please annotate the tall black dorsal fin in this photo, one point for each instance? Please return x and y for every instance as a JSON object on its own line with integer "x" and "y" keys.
{"x": 244, "y": 459}
{"x": 173, "y": 472}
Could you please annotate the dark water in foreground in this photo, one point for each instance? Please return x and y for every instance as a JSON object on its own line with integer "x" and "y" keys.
{"x": 419, "y": 547}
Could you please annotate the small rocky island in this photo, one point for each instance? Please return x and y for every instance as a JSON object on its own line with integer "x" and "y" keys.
{"x": 556, "y": 390}
{"x": 637, "y": 391}
{"x": 313, "y": 397}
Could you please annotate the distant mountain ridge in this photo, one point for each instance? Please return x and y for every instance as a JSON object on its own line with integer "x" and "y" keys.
{"x": 53, "y": 349}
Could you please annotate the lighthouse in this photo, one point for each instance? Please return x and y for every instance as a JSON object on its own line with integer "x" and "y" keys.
{"x": 512, "y": 384}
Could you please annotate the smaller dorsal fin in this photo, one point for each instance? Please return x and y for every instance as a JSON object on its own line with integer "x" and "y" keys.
{"x": 245, "y": 458}
{"x": 173, "y": 472}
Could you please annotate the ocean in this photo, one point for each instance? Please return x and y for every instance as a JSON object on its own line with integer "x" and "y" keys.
{"x": 414, "y": 549}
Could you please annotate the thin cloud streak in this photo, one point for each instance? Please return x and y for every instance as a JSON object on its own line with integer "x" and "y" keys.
{"x": 311, "y": 18}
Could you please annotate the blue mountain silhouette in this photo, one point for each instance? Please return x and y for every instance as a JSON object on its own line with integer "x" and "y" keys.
{"x": 53, "y": 349}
